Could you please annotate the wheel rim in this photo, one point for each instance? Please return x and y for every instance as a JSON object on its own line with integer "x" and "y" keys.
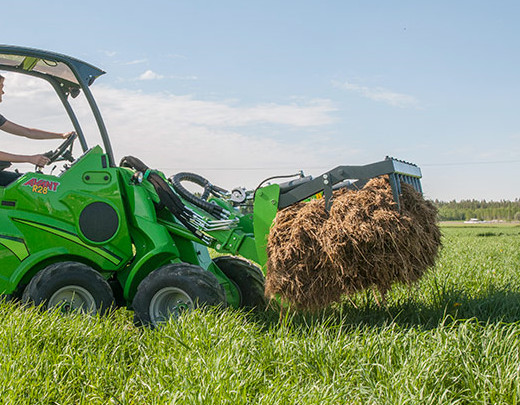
{"x": 240, "y": 297}
{"x": 73, "y": 298}
{"x": 169, "y": 302}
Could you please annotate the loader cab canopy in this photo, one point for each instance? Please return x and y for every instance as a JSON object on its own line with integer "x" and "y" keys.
{"x": 68, "y": 76}
{"x": 60, "y": 67}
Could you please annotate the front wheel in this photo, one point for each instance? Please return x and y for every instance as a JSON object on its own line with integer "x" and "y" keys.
{"x": 173, "y": 289}
{"x": 248, "y": 278}
{"x": 70, "y": 287}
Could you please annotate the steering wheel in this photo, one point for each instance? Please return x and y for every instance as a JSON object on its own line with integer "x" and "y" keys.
{"x": 64, "y": 151}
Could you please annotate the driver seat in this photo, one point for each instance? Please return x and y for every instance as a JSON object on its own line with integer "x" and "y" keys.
{"x": 7, "y": 178}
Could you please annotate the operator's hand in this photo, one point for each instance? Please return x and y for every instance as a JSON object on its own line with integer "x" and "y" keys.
{"x": 67, "y": 134}
{"x": 39, "y": 160}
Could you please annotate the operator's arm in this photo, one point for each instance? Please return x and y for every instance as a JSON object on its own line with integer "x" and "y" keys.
{"x": 32, "y": 133}
{"x": 37, "y": 160}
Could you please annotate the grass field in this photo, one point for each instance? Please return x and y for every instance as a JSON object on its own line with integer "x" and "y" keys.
{"x": 452, "y": 339}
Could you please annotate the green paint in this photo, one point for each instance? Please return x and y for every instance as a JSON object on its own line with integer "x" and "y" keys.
{"x": 265, "y": 209}
{"x": 15, "y": 245}
{"x": 106, "y": 254}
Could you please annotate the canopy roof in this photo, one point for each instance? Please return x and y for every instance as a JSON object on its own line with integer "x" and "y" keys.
{"x": 68, "y": 76}
{"x": 35, "y": 61}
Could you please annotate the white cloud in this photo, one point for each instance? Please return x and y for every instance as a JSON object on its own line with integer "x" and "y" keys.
{"x": 176, "y": 56}
{"x": 191, "y": 77}
{"x": 186, "y": 110}
{"x": 380, "y": 94}
{"x": 219, "y": 140}
{"x": 150, "y": 75}
{"x": 136, "y": 62}
{"x": 227, "y": 142}
{"x": 235, "y": 144}
{"x": 110, "y": 54}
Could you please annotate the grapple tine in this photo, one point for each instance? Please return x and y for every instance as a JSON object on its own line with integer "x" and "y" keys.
{"x": 395, "y": 184}
{"x": 398, "y": 172}
{"x": 404, "y": 172}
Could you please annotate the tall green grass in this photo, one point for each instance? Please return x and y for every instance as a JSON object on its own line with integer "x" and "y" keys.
{"x": 452, "y": 339}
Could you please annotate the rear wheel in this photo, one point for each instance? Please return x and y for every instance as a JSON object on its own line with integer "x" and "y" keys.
{"x": 173, "y": 289}
{"x": 70, "y": 287}
{"x": 248, "y": 278}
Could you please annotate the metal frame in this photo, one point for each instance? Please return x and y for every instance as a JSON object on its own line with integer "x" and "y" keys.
{"x": 85, "y": 74}
{"x": 397, "y": 170}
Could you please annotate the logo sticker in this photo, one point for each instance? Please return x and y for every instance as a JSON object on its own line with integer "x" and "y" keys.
{"x": 41, "y": 186}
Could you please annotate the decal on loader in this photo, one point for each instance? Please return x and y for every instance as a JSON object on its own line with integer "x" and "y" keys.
{"x": 42, "y": 186}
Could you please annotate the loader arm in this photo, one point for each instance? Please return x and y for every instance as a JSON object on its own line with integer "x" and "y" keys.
{"x": 397, "y": 170}
{"x": 217, "y": 224}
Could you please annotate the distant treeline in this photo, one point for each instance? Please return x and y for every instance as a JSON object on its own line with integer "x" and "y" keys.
{"x": 483, "y": 210}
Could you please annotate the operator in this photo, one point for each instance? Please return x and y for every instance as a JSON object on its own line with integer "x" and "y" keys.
{"x": 15, "y": 129}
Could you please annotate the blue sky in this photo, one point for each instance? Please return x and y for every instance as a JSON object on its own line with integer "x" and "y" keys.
{"x": 243, "y": 90}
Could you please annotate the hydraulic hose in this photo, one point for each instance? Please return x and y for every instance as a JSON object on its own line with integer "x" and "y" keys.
{"x": 167, "y": 197}
{"x": 200, "y": 202}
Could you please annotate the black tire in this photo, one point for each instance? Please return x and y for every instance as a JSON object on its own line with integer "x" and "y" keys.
{"x": 172, "y": 289}
{"x": 6, "y": 298}
{"x": 248, "y": 278}
{"x": 117, "y": 292}
{"x": 69, "y": 286}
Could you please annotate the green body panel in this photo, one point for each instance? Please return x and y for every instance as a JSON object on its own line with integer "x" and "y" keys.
{"x": 158, "y": 239}
{"x": 16, "y": 246}
{"x": 265, "y": 209}
{"x": 39, "y": 221}
{"x": 152, "y": 243}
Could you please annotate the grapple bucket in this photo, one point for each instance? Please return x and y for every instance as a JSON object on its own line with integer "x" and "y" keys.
{"x": 355, "y": 177}
{"x": 404, "y": 172}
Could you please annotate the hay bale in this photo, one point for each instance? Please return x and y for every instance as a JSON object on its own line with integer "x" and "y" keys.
{"x": 298, "y": 271}
{"x": 316, "y": 257}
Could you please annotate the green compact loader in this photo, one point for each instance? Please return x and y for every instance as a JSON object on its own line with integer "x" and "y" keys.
{"x": 100, "y": 234}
